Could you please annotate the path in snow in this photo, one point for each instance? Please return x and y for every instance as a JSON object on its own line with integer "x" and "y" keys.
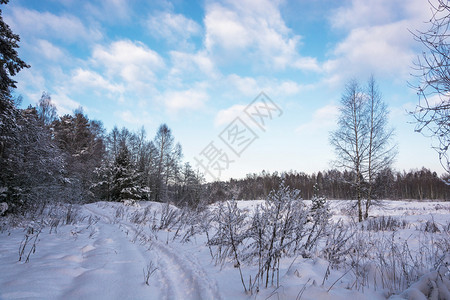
{"x": 184, "y": 277}
{"x": 178, "y": 276}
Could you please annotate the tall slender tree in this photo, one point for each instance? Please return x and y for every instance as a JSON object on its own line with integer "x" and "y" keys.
{"x": 350, "y": 140}
{"x": 167, "y": 162}
{"x": 363, "y": 142}
{"x": 381, "y": 152}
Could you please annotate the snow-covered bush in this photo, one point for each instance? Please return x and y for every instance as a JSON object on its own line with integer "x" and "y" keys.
{"x": 338, "y": 243}
{"x": 190, "y": 223}
{"x": 169, "y": 217}
{"x": 230, "y": 234}
{"x": 277, "y": 228}
{"x": 430, "y": 226}
{"x": 281, "y": 229}
{"x": 383, "y": 223}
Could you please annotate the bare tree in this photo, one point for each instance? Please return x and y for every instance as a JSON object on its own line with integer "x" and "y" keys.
{"x": 362, "y": 141}
{"x": 380, "y": 152}
{"x": 167, "y": 163}
{"x": 350, "y": 140}
{"x": 432, "y": 114}
{"x": 46, "y": 109}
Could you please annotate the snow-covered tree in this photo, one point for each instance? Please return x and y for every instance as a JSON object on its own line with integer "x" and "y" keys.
{"x": 125, "y": 185}
{"x": 167, "y": 164}
{"x": 32, "y": 167}
{"x": 189, "y": 187}
{"x": 362, "y": 141}
{"x": 82, "y": 142}
{"x": 10, "y": 63}
{"x": 380, "y": 152}
{"x": 46, "y": 109}
{"x": 318, "y": 218}
{"x": 317, "y": 202}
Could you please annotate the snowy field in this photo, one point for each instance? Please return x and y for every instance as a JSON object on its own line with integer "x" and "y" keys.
{"x": 152, "y": 251}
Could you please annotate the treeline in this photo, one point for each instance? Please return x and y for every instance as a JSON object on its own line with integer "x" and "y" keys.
{"x": 45, "y": 158}
{"x": 334, "y": 184}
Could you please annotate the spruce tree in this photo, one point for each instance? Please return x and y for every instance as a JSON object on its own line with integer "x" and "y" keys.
{"x": 125, "y": 182}
{"x": 10, "y": 63}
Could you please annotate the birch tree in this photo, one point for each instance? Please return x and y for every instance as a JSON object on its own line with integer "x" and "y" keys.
{"x": 350, "y": 140}
{"x": 363, "y": 141}
{"x": 381, "y": 152}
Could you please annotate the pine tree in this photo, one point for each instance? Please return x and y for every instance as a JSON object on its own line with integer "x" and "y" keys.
{"x": 102, "y": 181}
{"x": 318, "y": 202}
{"x": 10, "y": 63}
{"x": 320, "y": 210}
{"x": 82, "y": 142}
{"x": 125, "y": 182}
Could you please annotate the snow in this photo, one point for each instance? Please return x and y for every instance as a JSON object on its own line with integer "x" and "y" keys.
{"x": 104, "y": 255}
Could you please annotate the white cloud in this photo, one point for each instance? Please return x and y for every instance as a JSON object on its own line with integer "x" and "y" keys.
{"x": 378, "y": 40}
{"x": 141, "y": 118}
{"x": 132, "y": 61}
{"x": 245, "y": 85}
{"x": 64, "y": 104}
{"x": 87, "y": 78}
{"x": 362, "y": 13}
{"x": 253, "y": 30}
{"x": 369, "y": 13}
{"x": 48, "y": 50}
{"x": 307, "y": 63}
{"x": 174, "y": 28}
{"x": 251, "y": 87}
{"x": 224, "y": 29}
{"x": 190, "y": 99}
{"x": 322, "y": 119}
{"x": 383, "y": 50}
{"x": 431, "y": 101}
{"x": 226, "y": 116}
{"x": 283, "y": 88}
{"x": 34, "y": 24}
{"x": 30, "y": 81}
{"x": 108, "y": 10}
{"x": 192, "y": 63}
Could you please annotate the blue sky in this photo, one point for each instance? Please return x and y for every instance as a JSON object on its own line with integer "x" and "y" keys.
{"x": 196, "y": 65}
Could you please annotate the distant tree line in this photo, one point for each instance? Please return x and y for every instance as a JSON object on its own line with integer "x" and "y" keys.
{"x": 45, "y": 158}
{"x": 334, "y": 184}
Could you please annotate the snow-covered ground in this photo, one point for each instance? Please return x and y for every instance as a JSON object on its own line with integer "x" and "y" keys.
{"x": 108, "y": 250}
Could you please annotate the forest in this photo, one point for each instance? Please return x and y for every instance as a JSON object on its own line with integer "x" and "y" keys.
{"x": 46, "y": 158}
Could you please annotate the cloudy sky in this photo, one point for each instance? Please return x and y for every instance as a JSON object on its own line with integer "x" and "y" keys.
{"x": 197, "y": 65}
